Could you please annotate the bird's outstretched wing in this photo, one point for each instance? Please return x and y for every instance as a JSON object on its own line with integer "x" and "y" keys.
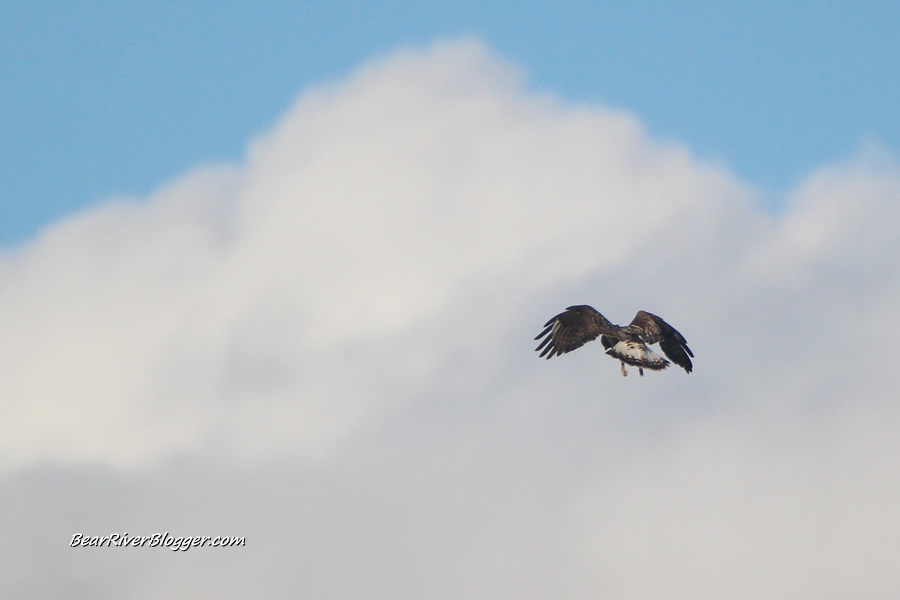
{"x": 572, "y": 329}
{"x": 672, "y": 343}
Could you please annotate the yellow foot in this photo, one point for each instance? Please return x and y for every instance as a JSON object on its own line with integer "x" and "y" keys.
{"x": 624, "y": 371}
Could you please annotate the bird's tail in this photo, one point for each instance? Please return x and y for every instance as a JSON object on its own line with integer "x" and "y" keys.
{"x": 636, "y": 354}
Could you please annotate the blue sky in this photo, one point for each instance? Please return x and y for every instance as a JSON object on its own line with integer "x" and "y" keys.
{"x": 110, "y": 98}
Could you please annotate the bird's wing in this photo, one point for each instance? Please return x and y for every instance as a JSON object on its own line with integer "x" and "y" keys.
{"x": 571, "y": 329}
{"x": 672, "y": 343}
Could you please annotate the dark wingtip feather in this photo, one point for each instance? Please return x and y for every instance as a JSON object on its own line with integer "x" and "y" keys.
{"x": 546, "y": 330}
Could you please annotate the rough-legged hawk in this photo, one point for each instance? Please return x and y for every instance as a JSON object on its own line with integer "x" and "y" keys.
{"x": 579, "y": 325}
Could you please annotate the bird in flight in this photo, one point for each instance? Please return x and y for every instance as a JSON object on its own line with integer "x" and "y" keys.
{"x": 578, "y": 325}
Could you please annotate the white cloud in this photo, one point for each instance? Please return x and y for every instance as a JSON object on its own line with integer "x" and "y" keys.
{"x": 327, "y": 348}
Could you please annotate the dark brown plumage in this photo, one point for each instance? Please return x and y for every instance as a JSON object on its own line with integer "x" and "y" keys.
{"x": 578, "y": 325}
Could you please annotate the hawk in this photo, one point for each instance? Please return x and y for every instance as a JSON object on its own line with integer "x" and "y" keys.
{"x": 578, "y": 325}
